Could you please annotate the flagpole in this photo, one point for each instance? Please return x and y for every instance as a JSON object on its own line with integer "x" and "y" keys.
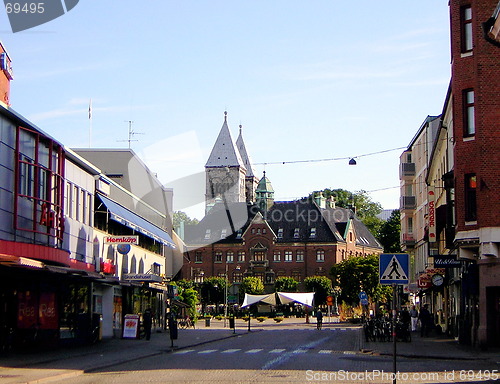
{"x": 90, "y": 123}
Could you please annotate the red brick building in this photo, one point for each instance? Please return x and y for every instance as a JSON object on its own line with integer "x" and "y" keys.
{"x": 475, "y": 89}
{"x": 246, "y": 233}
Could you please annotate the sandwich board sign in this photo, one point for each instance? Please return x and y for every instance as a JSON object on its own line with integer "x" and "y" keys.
{"x": 394, "y": 268}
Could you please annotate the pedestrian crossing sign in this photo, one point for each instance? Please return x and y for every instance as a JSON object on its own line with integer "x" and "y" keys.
{"x": 394, "y": 268}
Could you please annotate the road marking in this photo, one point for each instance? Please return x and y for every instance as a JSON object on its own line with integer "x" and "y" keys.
{"x": 325, "y": 351}
{"x": 349, "y": 353}
{"x": 288, "y": 355}
{"x": 207, "y": 351}
{"x": 183, "y": 352}
{"x": 279, "y": 350}
{"x": 231, "y": 350}
{"x": 257, "y": 350}
{"x": 300, "y": 351}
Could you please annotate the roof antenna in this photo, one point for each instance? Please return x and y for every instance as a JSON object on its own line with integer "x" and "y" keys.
{"x": 131, "y": 133}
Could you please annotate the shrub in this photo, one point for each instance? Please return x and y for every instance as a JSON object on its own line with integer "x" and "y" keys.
{"x": 261, "y": 319}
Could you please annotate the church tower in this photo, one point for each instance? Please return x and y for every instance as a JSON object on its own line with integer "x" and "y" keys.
{"x": 250, "y": 179}
{"x": 225, "y": 171}
{"x": 264, "y": 194}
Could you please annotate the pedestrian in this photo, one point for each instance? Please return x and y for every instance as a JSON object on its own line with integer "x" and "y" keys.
{"x": 147, "y": 320}
{"x": 425, "y": 318}
{"x": 319, "y": 319}
{"x": 414, "y": 318}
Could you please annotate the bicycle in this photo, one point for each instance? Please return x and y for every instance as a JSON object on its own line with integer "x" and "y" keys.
{"x": 185, "y": 323}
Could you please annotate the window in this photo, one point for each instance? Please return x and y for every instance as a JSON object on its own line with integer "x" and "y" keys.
{"x": 280, "y": 233}
{"x": 238, "y": 234}
{"x": 229, "y": 256}
{"x": 288, "y": 256}
{"x": 470, "y": 197}
{"x": 259, "y": 255}
{"x": 466, "y": 28}
{"x": 410, "y": 225}
{"x": 207, "y": 234}
{"x": 299, "y": 255}
{"x": 223, "y": 233}
{"x": 313, "y": 233}
{"x": 237, "y": 277}
{"x": 264, "y": 231}
{"x": 469, "y": 121}
{"x": 277, "y": 256}
{"x": 198, "y": 258}
{"x": 218, "y": 256}
{"x": 241, "y": 255}
{"x": 296, "y": 233}
{"x": 320, "y": 255}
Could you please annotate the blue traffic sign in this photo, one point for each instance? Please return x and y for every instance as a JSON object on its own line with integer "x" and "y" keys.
{"x": 394, "y": 268}
{"x": 363, "y": 295}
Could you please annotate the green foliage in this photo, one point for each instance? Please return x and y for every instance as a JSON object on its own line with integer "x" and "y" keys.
{"x": 286, "y": 284}
{"x": 213, "y": 289}
{"x": 358, "y": 273}
{"x": 181, "y": 216}
{"x": 261, "y": 319}
{"x": 252, "y": 286}
{"x": 390, "y": 232}
{"x": 190, "y": 297}
{"x": 186, "y": 284}
{"x": 365, "y": 207}
{"x": 321, "y": 285}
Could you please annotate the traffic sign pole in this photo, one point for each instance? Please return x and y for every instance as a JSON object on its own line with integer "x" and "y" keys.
{"x": 394, "y": 314}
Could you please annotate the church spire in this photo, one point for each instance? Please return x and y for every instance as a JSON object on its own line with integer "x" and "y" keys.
{"x": 265, "y": 194}
{"x": 224, "y": 153}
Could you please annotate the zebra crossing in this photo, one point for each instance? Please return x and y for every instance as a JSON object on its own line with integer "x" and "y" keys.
{"x": 254, "y": 351}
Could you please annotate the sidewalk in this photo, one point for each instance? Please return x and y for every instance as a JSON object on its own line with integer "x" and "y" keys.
{"x": 432, "y": 347}
{"x": 61, "y": 363}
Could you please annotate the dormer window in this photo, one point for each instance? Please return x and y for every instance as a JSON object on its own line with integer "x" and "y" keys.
{"x": 238, "y": 234}
{"x": 280, "y": 233}
{"x": 223, "y": 233}
{"x": 296, "y": 233}
{"x": 207, "y": 234}
{"x": 313, "y": 233}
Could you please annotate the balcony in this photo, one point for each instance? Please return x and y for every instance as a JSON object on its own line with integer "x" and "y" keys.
{"x": 408, "y": 202}
{"x": 408, "y": 240}
{"x": 406, "y": 171}
{"x": 259, "y": 263}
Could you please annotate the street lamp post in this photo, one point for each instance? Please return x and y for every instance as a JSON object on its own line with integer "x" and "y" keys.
{"x": 336, "y": 293}
{"x": 225, "y": 297}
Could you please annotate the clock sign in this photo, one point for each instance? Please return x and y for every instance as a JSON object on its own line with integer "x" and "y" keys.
{"x": 437, "y": 280}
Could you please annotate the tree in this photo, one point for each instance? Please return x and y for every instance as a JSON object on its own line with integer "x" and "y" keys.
{"x": 190, "y": 296}
{"x": 180, "y": 216}
{"x": 390, "y": 232}
{"x": 252, "y": 286}
{"x": 356, "y": 274}
{"x": 286, "y": 284}
{"x": 321, "y": 285}
{"x": 213, "y": 290}
{"x": 360, "y": 202}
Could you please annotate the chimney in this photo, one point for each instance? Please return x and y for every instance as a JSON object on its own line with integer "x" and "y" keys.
{"x": 330, "y": 202}
{"x": 5, "y": 76}
{"x": 320, "y": 200}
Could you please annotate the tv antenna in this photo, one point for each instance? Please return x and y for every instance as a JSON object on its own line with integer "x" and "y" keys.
{"x": 131, "y": 133}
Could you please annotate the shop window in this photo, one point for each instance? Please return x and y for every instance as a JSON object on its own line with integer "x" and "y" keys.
{"x": 470, "y": 197}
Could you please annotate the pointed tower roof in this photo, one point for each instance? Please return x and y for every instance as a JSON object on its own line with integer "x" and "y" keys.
{"x": 264, "y": 185}
{"x": 240, "y": 144}
{"x": 224, "y": 153}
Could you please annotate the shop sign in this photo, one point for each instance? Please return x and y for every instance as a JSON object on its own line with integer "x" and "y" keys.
{"x": 432, "y": 216}
{"x": 134, "y": 240}
{"x": 447, "y": 261}
{"x": 425, "y": 279}
{"x": 27, "y": 309}
{"x": 130, "y": 326}
{"x": 47, "y": 311}
{"x": 142, "y": 277}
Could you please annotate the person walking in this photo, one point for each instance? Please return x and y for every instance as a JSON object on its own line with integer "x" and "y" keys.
{"x": 414, "y": 318}
{"x": 319, "y": 319}
{"x": 147, "y": 319}
{"x": 425, "y": 318}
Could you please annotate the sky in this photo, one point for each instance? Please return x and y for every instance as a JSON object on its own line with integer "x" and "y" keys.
{"x": 307, "y": 80}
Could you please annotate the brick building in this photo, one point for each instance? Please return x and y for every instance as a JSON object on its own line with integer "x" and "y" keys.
{"x": 475, "y": 86}
{"x": 246, "y": 233}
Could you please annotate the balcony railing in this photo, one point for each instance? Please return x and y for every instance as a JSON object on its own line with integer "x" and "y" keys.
{"x": 408, "y": 239}
{"x": 408, "y": 202}
{"x": 406, "y": 170}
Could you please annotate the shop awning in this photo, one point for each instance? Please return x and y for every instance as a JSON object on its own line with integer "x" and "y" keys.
{"x": 128, "y": 218}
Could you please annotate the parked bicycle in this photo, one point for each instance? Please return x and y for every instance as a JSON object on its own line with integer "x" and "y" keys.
{"x": 185, "y": 323}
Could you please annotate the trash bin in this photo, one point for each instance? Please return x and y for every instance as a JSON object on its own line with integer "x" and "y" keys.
{"x": 172, "y": 326}
{"x": 231, "y": 322}
{"x": 207, "y": 322}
